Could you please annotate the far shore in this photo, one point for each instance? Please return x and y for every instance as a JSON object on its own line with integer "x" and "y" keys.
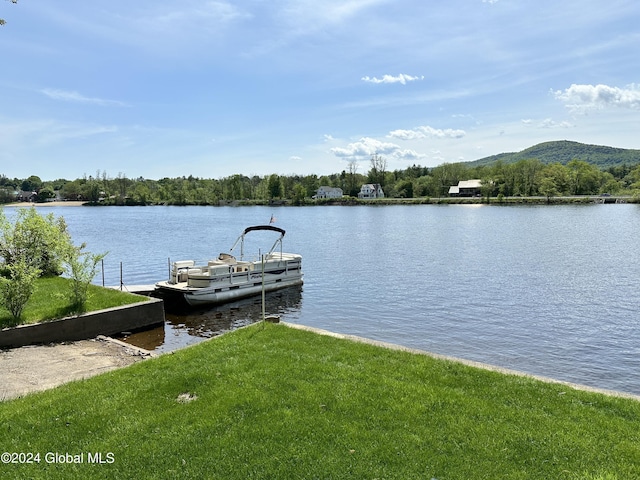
{"x": 46, "y": 204}
{"x": 533, "y": 200}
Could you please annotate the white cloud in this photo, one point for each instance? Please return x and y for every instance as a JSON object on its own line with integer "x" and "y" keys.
{"x": 546, "y": 123}
{"x": 408, "y": 155}
{"x": 366, "y": 147}
{"x": 549, "y": 123}
{"x": 402, "y": 78}
{"x": 68, "y": 96}
{"x": 464, "y": 115}
{"x": 490, "y": 1}
{"x": 406, "y": 134}
{"x": 580, "y": 98}
{"x": 427, "y": 132}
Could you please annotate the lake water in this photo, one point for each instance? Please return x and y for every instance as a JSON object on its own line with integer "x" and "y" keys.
{"x": 549, "y": 290}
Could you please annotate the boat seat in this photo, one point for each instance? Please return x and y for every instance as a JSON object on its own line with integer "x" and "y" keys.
{"x": 223, "y": 259}
{"x": 184, "y": 264}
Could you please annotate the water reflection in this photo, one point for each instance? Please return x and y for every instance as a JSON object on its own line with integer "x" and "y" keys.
{"x": 187, "y": 326}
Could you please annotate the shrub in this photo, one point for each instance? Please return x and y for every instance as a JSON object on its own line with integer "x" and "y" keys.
{"x": 81, "y": 268}
{"x": 42, "y": 241}
{"x": 16, "y": 290}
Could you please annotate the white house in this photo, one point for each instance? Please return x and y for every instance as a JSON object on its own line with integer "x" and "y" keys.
{"x": 466, "y": 188}
{"x": 328, "y": 192}
{"x": 371, "y": 190}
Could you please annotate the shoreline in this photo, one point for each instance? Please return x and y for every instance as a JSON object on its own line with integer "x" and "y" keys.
{"x": 38, "y": 367}
{"x": 46, "y": 204}
{"x": 470, "y": 363}
{"x": 349, "y": 202}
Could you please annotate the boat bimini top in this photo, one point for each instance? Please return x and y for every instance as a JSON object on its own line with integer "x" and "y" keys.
{"x": 255, "y": 228}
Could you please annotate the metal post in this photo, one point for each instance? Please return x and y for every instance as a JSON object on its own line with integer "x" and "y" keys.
{"x": 263, "y": 303}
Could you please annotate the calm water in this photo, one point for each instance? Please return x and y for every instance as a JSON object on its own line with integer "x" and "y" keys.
{"x": 547, "y": 290}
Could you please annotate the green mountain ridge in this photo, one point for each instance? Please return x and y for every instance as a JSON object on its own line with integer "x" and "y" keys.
{"x": 563, "y": 151}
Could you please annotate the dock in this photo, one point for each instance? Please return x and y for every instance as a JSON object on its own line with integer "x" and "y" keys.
{"x": 137, "y": 289}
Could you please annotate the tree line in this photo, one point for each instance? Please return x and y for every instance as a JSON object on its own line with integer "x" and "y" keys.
{"x": 529, "y": 177}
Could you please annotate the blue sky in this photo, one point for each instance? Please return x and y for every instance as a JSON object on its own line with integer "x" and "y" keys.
{"x": 214, "y": 88}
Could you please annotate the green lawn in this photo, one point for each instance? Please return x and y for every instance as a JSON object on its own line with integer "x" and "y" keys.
{"x": 51, "y": 300}
{"x": 272, "y": 402}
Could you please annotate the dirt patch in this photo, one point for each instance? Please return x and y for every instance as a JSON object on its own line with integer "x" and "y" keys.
{"x": 39, "y": 367}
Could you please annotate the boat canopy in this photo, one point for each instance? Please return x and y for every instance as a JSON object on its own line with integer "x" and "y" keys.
{"x": 259, "y": 227}
{"x": 263, "y": 227}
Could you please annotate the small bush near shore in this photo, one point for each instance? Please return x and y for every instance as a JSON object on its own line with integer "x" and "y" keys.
{"x": 16, "y": 290}
{"x": 51, "y": 299}
{"x": 270, "y": 401}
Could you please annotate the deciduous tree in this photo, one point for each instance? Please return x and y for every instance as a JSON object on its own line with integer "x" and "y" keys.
{"x": 378, "y": 170}
{"x": 274, "y": 186}
{"x": 40, "y": 241}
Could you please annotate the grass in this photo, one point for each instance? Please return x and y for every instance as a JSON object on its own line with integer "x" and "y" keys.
{"x": 272, "y": 402}
{"x": 51, "y": 299}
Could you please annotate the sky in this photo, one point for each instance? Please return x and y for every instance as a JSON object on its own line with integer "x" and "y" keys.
{"x": 157, "y": 88}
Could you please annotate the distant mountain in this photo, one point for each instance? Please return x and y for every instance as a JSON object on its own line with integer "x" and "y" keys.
{"x": 564, "y": 151}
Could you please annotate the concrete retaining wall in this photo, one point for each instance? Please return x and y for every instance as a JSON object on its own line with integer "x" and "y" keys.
{"x": 89, "y": 325}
